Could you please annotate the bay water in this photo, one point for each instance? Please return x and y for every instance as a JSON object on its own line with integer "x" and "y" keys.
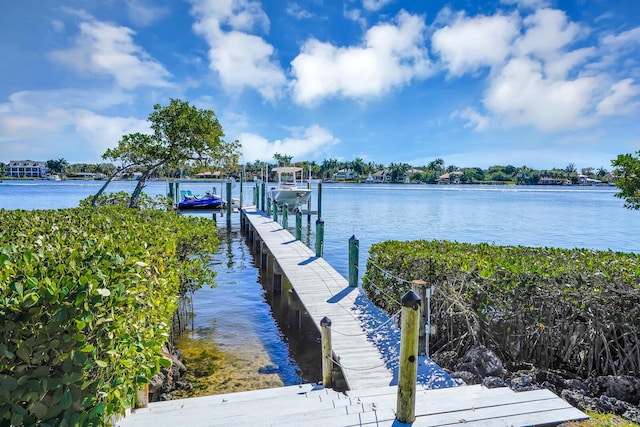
{"x": 540, "y": 216}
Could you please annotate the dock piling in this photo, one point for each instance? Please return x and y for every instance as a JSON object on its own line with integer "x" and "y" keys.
{"x": 353, "y": 261}
{"x": 327, "y": 352}
{"x": 408, "y": 370}
{"x": 423, "y": 290}
{"x": 229, "y": 203}
{"x": 298, "y": 224}
{"x": 319, "y": 237}
{"x": 285, "y": 216}
{"x": 274, "y": 205}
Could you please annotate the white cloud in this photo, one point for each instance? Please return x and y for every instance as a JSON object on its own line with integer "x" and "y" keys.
{"x": 107, "y": 50}
{"x": 241, "y": 59}
{"x": 375, "y": 5}
{"x": 295, "y": 10}
{"x": 623, "y": 39}
{"x": 547, "y": 32}
{"x": 521, "y": 95}
{"x": 474, "y": 119}
{"x": 144, "y": 13}
{"x": 391, "y": 55}
{"x": 304, "y": 143}
{"x": 38, "y": 118}
{"x": 621, "y": 99}
{"x": 103, "y": 132}
{"x": 467, "y": 44}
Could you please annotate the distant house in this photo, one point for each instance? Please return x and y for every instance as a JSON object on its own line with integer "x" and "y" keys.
{"x": 411, "y": 172}
{"x": 546, "y": 180}
{"x": 346, "y": 174}
{"x": 381, "y": 176}
{"x": 209, "y": 174}
{"x": 450, "y": 177}
{"x": 27, "y": 169}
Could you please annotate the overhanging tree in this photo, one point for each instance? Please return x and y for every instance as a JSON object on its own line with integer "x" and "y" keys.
{"x": 627, "y": 174}
{"x": 181, "y": 134}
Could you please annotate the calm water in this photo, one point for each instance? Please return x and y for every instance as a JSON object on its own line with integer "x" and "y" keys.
{"x": 568, "y": 217}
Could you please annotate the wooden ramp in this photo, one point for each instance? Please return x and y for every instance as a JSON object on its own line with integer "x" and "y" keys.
{"x": 324, "y": 292}
{"x": 310, "y": 405}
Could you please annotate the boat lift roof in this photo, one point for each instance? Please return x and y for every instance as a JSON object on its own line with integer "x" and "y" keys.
{"x": 286, "y": 169}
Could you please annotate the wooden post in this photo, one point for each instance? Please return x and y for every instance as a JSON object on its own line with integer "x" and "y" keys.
{"x": 319, "y": 237}
{"x": 309, "y": 200}
{"x": 353, "y": 261}
{"x": 274, "y": 205}
{"x": 408, "y": 370}
{"x": 327, "y": 352}
{"x": 241, "y": 179}
{"x": 285, "y": 216}
{"x": 320, "y": 200}
{"x": 229, "y": 203}
{"x": 142, "y": 397}
{"x": 420, "y": 288}
{"x": 277, "y": 278}
{"x": 298, "y": 224}
{"x": 264, "y": 256}
{"x": 264, "y": 195}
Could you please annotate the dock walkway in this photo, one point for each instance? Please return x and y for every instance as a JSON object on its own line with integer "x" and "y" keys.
{"x": 324, "y": 292}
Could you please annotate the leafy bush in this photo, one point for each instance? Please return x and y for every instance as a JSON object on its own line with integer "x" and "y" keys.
{"x": 572, "y": 309}
{"x": 86, "y": 300}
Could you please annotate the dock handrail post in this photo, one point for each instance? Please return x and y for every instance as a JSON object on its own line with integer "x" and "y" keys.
{"x": 309, "y": 199}
{"x": 319, "y": 237}
{"x": 229, "y": 202}
{"x": 353, "y": 261}
{"x": 327, "y": 352}
{"x": 264, "y": 195}
{"x": 275, "y": 210}
{"x": 241, "y": 179}
{"x": 408, "y": 370}
{"x": 298, "y": 224}
{"x": 142, "y": 397}
{"x": 285, "y": 216}
{"x": 320, "y": 200}
{"x": 423, "y": 289}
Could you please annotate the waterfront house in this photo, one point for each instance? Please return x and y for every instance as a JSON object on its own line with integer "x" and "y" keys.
{"x": 381, "y": 176}
{"x": 450, "y": 177}
{"x": 27, "y": 169}
{"x": 346, "y": 174}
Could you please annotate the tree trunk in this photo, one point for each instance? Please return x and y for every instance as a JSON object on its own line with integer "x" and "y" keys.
{"x": 104, "y": 187}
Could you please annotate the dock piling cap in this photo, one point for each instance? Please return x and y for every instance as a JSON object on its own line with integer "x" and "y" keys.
{"x": 411, "y": 299}
{"x": 325, "y": 322}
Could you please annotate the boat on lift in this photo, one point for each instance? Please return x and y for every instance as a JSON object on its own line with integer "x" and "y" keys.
{"x": 289, "y": 189}
{"x": 205, "y": 202}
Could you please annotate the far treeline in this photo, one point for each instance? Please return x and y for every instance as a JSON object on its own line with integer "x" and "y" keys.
{"x": 358, "y": 171}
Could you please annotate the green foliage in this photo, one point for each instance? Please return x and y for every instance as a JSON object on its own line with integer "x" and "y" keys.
{"x": 86, "y": 301}
{"x": 628, "y": 173}
{"x": 181, "y": 134}
{"x": 572, "y": 309}
{"x": 121, "y": 198}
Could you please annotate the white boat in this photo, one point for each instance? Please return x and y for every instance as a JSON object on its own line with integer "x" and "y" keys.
{"x": 54, "y": 177}
{"x": 289, "y": 189}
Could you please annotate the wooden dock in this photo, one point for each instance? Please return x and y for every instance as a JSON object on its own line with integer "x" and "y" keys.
{"x": 323, "y": 292}
{"x": 372, "y": 396}
{"x": 310, "y": 405}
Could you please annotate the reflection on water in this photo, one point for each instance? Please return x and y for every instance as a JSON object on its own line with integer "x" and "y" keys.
{"x": 235, "y": 318}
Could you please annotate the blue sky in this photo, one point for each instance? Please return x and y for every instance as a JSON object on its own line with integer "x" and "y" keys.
{"x": 541, "y": 83}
